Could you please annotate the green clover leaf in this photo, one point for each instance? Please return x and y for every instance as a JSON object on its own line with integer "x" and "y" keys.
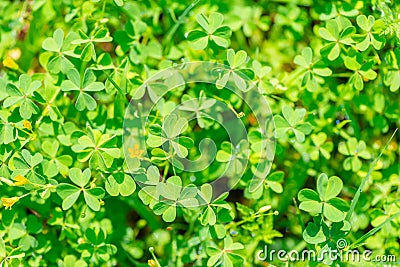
{"x": 55, "y": 164}
{"x": 97, "y": 148}
{"x": 62, "y": 48}
{"x": 28, "y": 166}
{"x": 312, "y": 69}
{"x": 321, "y": 146}
{"x": 174, "y": 195}
{"x": 8, "y": 133}
{"x": 258, "y": 184}
{"x": 89, "y": 51}
{"x": 210, "y": 212}
{"x": 24, "y": 94}
{"x": 368, "y": 38}
{"x": 198, "y": 107}
{"x": 72, "y": 261}
{"x": 235, "y": 156}
{"x": 392, "y": 77}
{"x": 344, "y": 9}
{"x": 316, "y": 232}
{"x": 70, "y": 193}
{"x": 261, "y": 75}
{"x": 170, "y": 133}
{"x": 225, "y": 256}
{"x": 362, "y": 71}
{"x": 213, "y": 32}
{"x": 87, "y": 84}
{"x": 149, "y": 181}
{"x": 130, "y": 36}
{"x": 354, "y": 150}
{"x": 120, "y": 183}
{"x": 292, "y": 121}
{"x": 95, "y": 245}
{"x": 325, "y": 200}
{"x": 236, "y": 73}
{"x": 338, "y": 32}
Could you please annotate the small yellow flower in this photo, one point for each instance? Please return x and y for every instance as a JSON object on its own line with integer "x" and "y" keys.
{"x": 8, "y": 202}
{"x": 135, "y": 152}
{"x": 240, "y": 115}
{"x": 27, "y": 125}
{"x": 152, "y": 263}
{"x": 20, "y": 180}
{"x": 10, "y": 63}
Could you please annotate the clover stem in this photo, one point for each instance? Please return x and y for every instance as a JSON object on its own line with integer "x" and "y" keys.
{"x": 238, "y": 115}
{"x": 364, "y": 181}
{"x": 167, "y": 40}
{"x": 103, "y": 9}
{"x": 374, "y": 230}
{"x": 166, "y": 171}
{"x": 151, "y": 250}
{"x": 289, "y": 79}
{"x": 252, "y": 217}
{"x": 298, "y": 214}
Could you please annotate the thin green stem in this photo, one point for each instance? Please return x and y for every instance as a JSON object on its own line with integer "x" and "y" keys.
{"x": 151, "y": 249}
{"x": 167, "y": 40}
{"x": 373, "y": 231}
{"x": 254, "y": 216}
{"x": 364, "y": 181}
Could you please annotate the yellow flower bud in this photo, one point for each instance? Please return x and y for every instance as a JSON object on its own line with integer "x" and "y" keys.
{"x": 27, "y": 125}
{"x": 10, "y": 63}
{"x": 152, "y": 263}
{"x": 20, "y": 180}
{"x": 8, "y": 202}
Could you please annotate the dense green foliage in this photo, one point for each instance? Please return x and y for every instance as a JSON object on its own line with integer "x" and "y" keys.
{"x": 76, "y": 192}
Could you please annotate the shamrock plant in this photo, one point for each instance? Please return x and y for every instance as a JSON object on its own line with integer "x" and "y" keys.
{"x": 24, "y": 95}
{"x": 324, "y": 201}
{"x": 339, "y": 33}
{"x": 174, "y": 196}
{"x": 70, "y": 193}
{"x": 234, "y": 156}
{"x": 226, "y": 255}
{"x": 362, "y": 71}
{"x": 97, "y": 148}
{"x": 82, "y": 85}
{"x": 392, "y": 78}
{"x": 321, "y": 146}
{"x": 312, "y": 70}
{"x": 199, "y": 106}
{"x": 169, "y": 134}
{"x": 54, "y": 163}
{"x": 62, "y": 48}
{"x": 28, "y": 165}
{"x": 88, "y": 51}
{"x": 213, "y": 32}
{"x": 119, "y": 147}
{"x": 235, "y": 61}
{"x": 368, "y": 38}
{"x": 214, "y": 206}
{"x": 354, "y": 150}
{"x": 292, "y": 121}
